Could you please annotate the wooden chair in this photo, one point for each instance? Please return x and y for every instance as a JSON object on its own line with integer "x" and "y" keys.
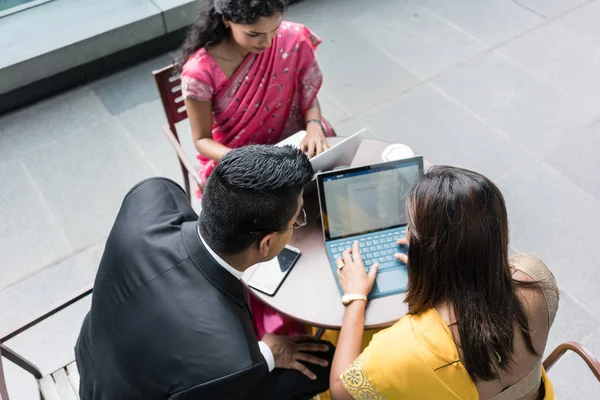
{"x": 62, "y": 384}
{"x": 578, "y": 349}
{"x": 169, "y": 88}
{"x": 3, "y": 390}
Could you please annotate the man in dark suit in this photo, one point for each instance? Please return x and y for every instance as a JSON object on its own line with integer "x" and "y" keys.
{"x": 170, "y": 318}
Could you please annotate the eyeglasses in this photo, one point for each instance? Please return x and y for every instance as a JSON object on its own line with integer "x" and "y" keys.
{"x": 300, "y": 221}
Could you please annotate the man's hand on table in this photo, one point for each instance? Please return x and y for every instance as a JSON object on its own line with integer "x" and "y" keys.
{"x": 289, "y": 351}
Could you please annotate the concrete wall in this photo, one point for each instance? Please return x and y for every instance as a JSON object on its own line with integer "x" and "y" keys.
{"x": 63, "y": 34}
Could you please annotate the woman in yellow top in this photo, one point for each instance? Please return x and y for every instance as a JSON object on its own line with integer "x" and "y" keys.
{"x": 478, "y": 320}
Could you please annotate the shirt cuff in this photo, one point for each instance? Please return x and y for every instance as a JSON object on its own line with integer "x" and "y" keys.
{"x": 268, "y": 355}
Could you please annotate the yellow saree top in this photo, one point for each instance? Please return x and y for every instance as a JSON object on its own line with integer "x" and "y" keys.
{"x": 414, "y": 359}
{"x": 418, "y": 359}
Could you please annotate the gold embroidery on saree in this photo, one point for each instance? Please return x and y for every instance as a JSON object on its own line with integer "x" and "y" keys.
{"x": 357, "y": 383}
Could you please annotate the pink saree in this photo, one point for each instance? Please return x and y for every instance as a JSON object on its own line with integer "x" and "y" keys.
{"x": 263, "y": 102}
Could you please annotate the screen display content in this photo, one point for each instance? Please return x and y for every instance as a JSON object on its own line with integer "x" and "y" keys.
{"x": 368, "y": 200}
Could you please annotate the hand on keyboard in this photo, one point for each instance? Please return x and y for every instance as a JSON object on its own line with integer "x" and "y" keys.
{"x": 402, "y": 256}
{"x": 352, "y": 274}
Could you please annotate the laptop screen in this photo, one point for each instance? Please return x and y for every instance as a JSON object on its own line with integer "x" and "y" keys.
{"x": 366, "y": 199}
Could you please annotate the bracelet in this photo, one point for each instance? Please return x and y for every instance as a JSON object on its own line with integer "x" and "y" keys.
{"x": 349, "y": 298}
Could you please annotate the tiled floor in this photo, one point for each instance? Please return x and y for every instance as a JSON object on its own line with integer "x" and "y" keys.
{"x": 508, "y": 88}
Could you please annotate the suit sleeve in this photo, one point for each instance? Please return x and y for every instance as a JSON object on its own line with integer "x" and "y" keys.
{"x": 236, "y": 386}
{"x": 155, "y": 198}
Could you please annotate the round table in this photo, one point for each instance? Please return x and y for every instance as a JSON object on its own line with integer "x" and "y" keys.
{"x": 309, "y": 294}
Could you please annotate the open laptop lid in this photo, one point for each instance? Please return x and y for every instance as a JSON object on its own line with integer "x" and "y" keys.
{"x": 366, "y": 199}
{"x": 339, "y": 154}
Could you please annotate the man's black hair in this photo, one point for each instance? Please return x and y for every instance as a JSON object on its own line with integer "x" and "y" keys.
{"x": 253, "y": 191}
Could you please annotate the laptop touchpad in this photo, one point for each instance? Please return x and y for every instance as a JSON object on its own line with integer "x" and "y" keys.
{"x": 391, "y": 280}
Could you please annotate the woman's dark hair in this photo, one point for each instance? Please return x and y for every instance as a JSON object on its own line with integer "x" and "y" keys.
{"x": 209, "y": 29}
{"x": 458, "y": 255}
{"x": 253, "y": 191}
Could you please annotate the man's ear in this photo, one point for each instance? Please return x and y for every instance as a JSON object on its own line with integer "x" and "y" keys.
{"x": 264, "y": 246}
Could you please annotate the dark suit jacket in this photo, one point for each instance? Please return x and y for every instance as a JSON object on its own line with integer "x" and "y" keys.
{"x": 167, "y": 321}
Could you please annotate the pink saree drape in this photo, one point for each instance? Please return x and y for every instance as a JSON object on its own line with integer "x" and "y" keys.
{"x": 265, "y": 100}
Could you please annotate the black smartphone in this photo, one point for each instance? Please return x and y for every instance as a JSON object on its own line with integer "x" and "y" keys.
{"x": 269, "y": 276}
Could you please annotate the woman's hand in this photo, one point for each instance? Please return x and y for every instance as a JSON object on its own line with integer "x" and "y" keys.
{"x": 352, "y": 274}
{"x": 314, "y": 142}
{"x": 401, "y": 256}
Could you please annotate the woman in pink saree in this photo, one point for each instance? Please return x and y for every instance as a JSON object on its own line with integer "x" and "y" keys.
{"x": 248, "y": 77}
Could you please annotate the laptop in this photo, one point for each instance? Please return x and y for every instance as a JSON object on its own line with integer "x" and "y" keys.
{"x": 340, "y": 154}
{"x": 368, "y": 204}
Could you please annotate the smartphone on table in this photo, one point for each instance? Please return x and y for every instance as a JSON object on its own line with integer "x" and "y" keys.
{"x": 268, "y": 276}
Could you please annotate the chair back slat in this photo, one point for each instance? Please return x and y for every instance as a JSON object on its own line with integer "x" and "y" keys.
{"x": 169, "y": 88}
{"x": 3, "y": 389}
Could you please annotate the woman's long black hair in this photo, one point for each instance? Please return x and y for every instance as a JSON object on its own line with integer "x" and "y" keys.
{"x": 209, "y": 29}
{"x": 458, "y": 254}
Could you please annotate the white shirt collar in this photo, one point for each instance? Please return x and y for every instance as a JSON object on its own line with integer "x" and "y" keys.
{"x": 222, "y": 263}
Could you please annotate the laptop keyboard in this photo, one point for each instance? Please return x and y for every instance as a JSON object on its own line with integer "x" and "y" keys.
{"x": 378, "y": 247}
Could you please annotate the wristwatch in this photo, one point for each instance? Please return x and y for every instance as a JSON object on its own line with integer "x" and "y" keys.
{"x": 349, "y": 298}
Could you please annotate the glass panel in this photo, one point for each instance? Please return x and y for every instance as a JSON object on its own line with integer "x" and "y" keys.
{"x": 12, "y": 6}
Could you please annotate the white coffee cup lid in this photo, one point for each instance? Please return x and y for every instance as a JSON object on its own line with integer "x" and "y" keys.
{"x": 396, "y": 151}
